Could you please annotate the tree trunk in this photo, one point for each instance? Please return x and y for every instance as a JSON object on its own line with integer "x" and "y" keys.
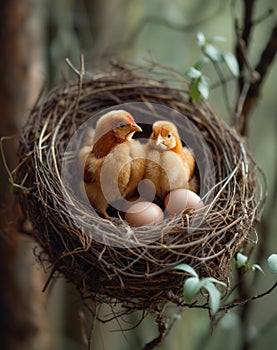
{"x": 23, "y": 318}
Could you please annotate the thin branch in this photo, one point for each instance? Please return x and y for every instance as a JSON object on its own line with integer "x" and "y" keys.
{"x": 244, "y": 35}
{"x": 80, "y": 74}
{"x": 225, "y": 80}
{"x": 256, "y": 76}
{"x": 249, "y": 7}
{"x": 240, "y": 104}
{"x": 268, "y": 55}
{"x": 262, "y": 68}
{"x": 160, "y": 338}
{"x": 231, "y": 305}
{"x": 263, "y": 17}
{"x": 244, "y": 302}
{"x": 224, "y": 87}
{"x": 49, "y": 279}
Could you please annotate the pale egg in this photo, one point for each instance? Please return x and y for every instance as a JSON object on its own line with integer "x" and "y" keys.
{"x": 144, "y": 213}
{"x": 181, "y": 200}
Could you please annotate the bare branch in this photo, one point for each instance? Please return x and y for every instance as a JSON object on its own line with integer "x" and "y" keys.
{"x": 243, "y": 38}
{"x": 249, "y": 86}
{"x": 244, "y": 302}
{"x": 263, "y": 17}
{"x": 268, "y": 55}
{"x": 162, "y": 334}
{"x": 261, "y": 69}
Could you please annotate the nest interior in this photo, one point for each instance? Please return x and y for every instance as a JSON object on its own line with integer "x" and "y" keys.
{"x": 110, "y": 269}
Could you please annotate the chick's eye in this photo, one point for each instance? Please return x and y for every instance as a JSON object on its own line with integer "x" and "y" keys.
{"x": 169, "y": 136}
{"x": 122, "y": 126}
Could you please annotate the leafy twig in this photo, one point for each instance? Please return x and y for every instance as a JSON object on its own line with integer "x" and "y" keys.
{"x": 199, "y": 85}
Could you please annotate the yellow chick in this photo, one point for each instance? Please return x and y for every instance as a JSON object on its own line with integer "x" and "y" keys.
{"x": 168, "y": 165}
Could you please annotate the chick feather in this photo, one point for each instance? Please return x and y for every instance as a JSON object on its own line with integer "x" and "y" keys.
{"x": 114, "y": 165}
{"x": 168, "y": 164}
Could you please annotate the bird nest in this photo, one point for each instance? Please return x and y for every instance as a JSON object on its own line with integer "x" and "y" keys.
{"x": 108, "y": 260}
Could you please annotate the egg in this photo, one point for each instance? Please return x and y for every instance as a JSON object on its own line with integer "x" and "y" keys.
{"x": 181, "y": 200}
{"x": 144, "y": 213}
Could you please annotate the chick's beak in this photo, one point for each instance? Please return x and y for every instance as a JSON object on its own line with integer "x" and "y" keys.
{"x": 160, "y": 140}
{"x": 135, "y": 127}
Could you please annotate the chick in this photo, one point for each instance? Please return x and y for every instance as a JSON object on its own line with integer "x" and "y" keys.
{"x": 168, "y": 164}
{"x": 115, "y": 164}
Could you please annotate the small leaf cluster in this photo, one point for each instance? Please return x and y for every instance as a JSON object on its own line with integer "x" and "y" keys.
{"x": 199, "y": 83}
{"x": 243, "y": 261}
{"x": 193, "y": 285}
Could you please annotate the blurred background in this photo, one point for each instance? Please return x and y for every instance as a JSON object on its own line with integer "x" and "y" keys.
{"x": 36, "y": 37}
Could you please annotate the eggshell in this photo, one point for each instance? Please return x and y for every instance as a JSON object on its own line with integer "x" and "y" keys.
{"x": 180, "y": 200}
{"x": 144, "y": 213}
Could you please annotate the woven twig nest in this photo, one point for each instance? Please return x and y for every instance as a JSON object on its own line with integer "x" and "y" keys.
{"x": 116, "y": 262}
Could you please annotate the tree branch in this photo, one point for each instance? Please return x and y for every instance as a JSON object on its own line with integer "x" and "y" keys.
{"x": 243, "y": 38}
{"x": 249, "y": 88}
{"x": 261, "y": 70}
{"x": 162, "y": 334}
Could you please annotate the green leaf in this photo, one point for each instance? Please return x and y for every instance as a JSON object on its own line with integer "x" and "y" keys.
{"x": 241, "y": 260}
{"x": 186, "y": 268}
{"x": 272, "y": 263}
{"x": 194, "y": 91}
{"x": 232, "y": 63}
{"x": 212, "y": 52}
{"x": 258, "y": 267}
{"x": 204, "y": 87}
{"x": 214, "y": 297}
{"x": 191, "y": 287}
{"x": 193, "y": 73}
{"x": 201, "y": 39}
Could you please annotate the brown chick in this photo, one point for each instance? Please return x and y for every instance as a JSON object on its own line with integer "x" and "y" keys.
{"x": 168, "y": 164}
{"x": 115, "y": 164}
